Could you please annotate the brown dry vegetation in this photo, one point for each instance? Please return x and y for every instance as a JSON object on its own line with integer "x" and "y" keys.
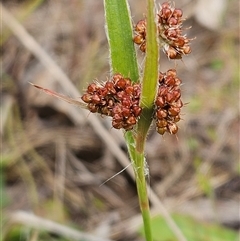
{"x": 55, "y": 157}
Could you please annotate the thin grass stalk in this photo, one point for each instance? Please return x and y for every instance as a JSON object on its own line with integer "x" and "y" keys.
{"x": 117, "y": 14}
{"x": 149, "y": 85}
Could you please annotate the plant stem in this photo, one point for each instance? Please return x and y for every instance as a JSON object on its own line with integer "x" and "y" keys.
{"x": 123, "y": 60}
{"x": 149, "y": 85}
{"x": 142, "y": 193}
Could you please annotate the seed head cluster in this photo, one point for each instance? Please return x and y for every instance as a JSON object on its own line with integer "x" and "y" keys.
{"x": 174, "y": 43}
{"x": 118, "y": 98}
{"x": 169, "y": 24}
{"x": 168, "y": 102}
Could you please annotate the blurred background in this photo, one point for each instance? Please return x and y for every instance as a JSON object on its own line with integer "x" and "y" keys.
{"x": 55, "y": 156}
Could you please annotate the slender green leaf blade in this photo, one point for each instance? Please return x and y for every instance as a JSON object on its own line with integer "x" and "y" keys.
{"x": 193, "y": 230}
{"x": 119, "y": 32}
{"x": 150, "y": 75}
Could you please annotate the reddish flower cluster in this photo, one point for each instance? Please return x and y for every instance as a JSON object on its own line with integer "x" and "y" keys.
{"x": 168, "y": 103}
{"x": 140, "y": 37}
{"x": 170, "y": 20}
{"x": 118, "y": 98}
{"x": 170, "y": 31}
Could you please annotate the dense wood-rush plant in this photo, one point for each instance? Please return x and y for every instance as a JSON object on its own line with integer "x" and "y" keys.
{"x": 134, "y": 100}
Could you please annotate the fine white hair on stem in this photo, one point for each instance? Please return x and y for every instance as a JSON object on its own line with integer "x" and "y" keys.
{"x": 146, "y": 168}
{"x": 116, "y": 174}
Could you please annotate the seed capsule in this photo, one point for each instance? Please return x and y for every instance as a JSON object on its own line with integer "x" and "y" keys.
{"x": 141, "y": 27}
{"x": 138, "y": 39}
{"x": 161, "y": 113}
{"x": 172, "y": 21}
{"x": 174, "y": 111}
{"x": 116, "y": 77}
{"x": 143, "y": 47}
{"x": 177, "y": 118}
{"x": 110, "y": 87}
{"x": 172, "y": 128}
{"x": 116, "y": 124}
{"x": 131, "y": 120}
{"x": 136, "y": 110}
{"x": 129, "y": 89}
{"x": 93, "y": 108}
{"x": 96, "y": 99}
{"x": 87, "y": 98}
{"x": 162, "y": 123}
{"x": 161, "y": 130}
{"x": 186, "y": 49}
{"x": 92, "y": 88}
{"x": 170, "y": 81}
{"x": 177, "y": 13}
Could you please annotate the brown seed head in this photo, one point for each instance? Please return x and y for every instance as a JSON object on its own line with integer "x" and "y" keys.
{"x": 168, "y": 102}
{"x": 141, "y": 27}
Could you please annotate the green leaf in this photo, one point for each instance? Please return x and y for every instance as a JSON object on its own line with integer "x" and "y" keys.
{"x": 193, "y": 230}
{"x": 150, "y": 75}
{"x": 119, "y": 32}
{"x": 122, "y": 52}
{"x": 150, "y": 78}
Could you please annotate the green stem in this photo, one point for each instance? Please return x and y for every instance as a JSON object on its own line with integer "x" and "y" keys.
{"x": 150, "y": 76}
{"x": 149, "y": 88}
{"x": 123, "y": 60}
{"x": 142, "y": 194}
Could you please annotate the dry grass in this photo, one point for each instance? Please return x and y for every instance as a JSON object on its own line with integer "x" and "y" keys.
{"x": 55, "y": 156}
